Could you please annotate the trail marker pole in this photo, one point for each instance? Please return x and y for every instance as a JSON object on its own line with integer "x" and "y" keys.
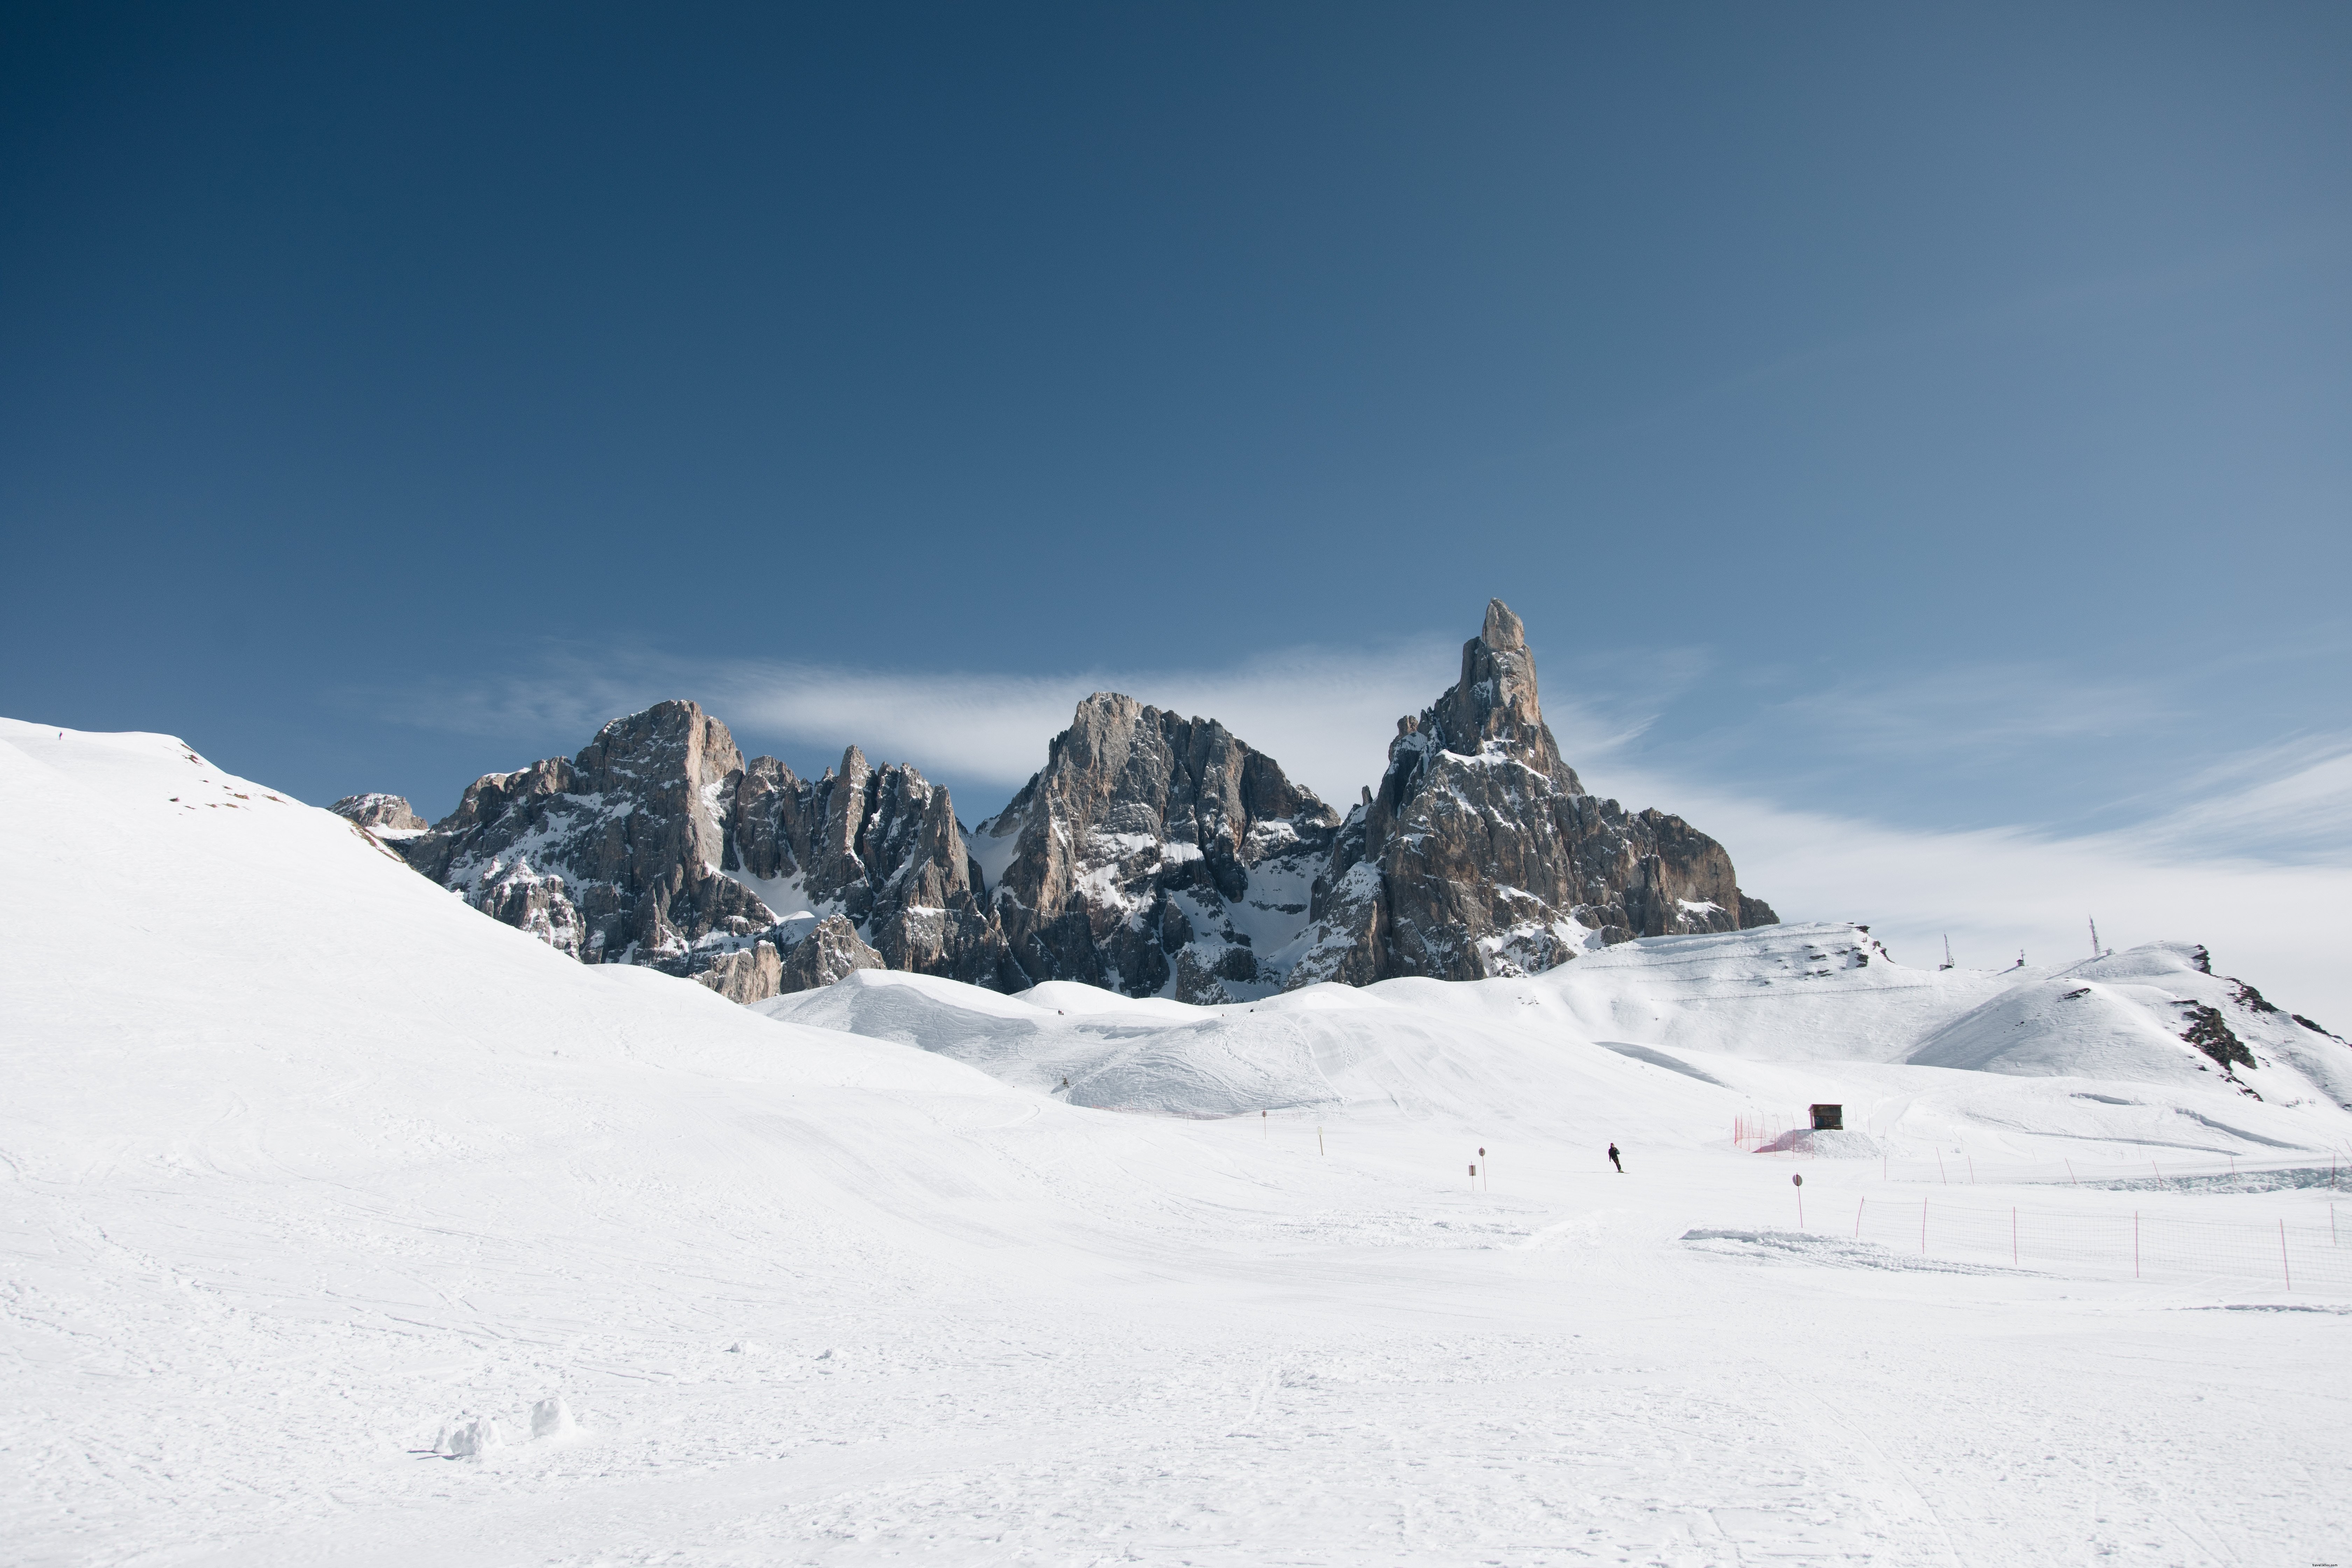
{"x": 1939, "y": 1169}
{"x": 2134, "y": 1244}
{"x": 1799, "y": 1181}
{"x": 1473, "y": 1178}
{"x": 1972, "y": 1170}
{"x": 1319, "y": 1139}
{"x": 1857, "y": 1220}
{"x": 1486, "y": 1182}
{"x": 2012, "y": 1235}
{"x": 1263, "y": 1136}
{"x": 2283, "y": 1267}
{"x": 1923, "y": 1227}
{"x": 2070, "y": 1175}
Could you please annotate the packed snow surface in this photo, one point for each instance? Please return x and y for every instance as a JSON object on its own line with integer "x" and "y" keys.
{"x": 347, "y": 1225}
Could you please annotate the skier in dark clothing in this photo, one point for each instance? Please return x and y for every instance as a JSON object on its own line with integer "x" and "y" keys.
{"x": 1616, "y": 1161}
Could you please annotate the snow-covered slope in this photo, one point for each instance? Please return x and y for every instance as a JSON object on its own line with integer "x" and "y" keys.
{"x": 309, "y": 1168}
{"x": 1919, "y": 1053}
{"x": 2156, "y": 1015}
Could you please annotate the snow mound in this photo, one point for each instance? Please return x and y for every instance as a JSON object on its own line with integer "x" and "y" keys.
{"x": 1406, "y": 1043}
{"x": 1824, "y": 1144}
{"x": 472, "y": 1438}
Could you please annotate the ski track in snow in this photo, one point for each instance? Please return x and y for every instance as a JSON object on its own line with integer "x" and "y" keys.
{"x": 306, "y": 1165}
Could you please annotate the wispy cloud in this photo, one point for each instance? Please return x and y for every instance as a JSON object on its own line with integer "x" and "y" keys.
{"x": 1325, "y": 714}
{"x": 2290, "y": 804}
{"x": 1981, "y": 710}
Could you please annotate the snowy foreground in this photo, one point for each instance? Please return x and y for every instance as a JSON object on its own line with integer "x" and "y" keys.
{"x": 315, "y": 1176}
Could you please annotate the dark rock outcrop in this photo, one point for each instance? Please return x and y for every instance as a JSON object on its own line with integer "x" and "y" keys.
{"x": 659, "y": 844}
{"x": 879, "y": 844}
{"x": 1482, "y": 853}
{"x": 829, "y": 951}
{"x": 388, "y": 811}
{"x": 1155, "y": 854}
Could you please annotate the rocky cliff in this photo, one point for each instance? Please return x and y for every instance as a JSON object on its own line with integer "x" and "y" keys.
{"x": 880, "y": 846}
{"x": 824, "y": 955}
{"x": 387, "y": 812}
{"x": 1482, "y": 853}
{"x": 1155, "y": 854}
{"x": 659, "y": 844}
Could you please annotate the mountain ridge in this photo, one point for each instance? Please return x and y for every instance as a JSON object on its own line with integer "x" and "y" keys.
{"x": 1155, "y": 854}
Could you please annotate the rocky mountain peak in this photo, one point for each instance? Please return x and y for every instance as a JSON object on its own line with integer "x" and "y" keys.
{"x": 658, "y": 844}
{"x": 1503, "y": 631}
{"x": 1481, "y": 854}
{"x": 1493, "y": 705}
{"x": 1154, "y": 853}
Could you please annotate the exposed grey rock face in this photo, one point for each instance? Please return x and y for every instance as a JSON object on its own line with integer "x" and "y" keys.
{"x": 829, "y": 951}
{"x": 879, "y": 845}
{"x": 751, "y": 973}
{"x": 658, "y": 844}
{"x": 611, "y": 855}
{"x": 1157, "y": 856}
{"x": 379, "y": 811}
{"x": 1482, "y": 853}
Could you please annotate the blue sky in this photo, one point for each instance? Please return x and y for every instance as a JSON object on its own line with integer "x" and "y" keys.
{"x": 1916, "y": 428}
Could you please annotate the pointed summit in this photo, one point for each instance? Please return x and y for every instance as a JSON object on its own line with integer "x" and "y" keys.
{"x": 1503, "y": 630}
{"x": 1494, "y": 703}
{"x": 1481, "y": 854}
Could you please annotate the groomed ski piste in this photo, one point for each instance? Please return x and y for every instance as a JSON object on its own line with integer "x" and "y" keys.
{"x": 323, "y": 1190}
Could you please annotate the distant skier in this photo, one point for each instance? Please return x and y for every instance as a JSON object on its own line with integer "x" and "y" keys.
{"x": 1616, "y": 1161}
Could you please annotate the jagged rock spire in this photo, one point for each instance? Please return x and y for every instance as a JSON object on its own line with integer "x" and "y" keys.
{"x": 1481, "y": 853}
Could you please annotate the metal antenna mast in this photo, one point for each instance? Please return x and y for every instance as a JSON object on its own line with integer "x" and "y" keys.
{"x": 2094, "y": 936}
